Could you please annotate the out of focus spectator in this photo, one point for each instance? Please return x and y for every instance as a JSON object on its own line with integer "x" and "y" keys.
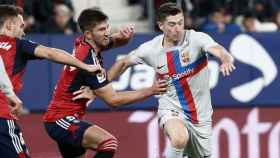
{"x": 262, "y": 10}
{"x": 189, "y": 22}
{"x": 41, "y": 10}
{"x": 214, "y": 23}
{"x": 277, "y": 19}
{"x": 61, "y": 22}
{"x": 230, "y": 26}
{"x": 8, "y": 2}
{"x": 30, "y": 25}
{"x": 248, "y": 22}
{"x": 252, "y": 24}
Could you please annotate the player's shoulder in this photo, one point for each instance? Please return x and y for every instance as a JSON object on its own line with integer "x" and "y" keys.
{"x": 153, "y": 43}
{"x": 197, "y": 36}
{"x": 194, "y": 33}
{"x": 81, "y": 48}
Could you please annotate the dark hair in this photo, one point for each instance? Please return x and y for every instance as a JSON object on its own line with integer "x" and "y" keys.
{"x": 89, "y": 18}
{"x": 8, "y": 11}
{"x": 168, "y": 9}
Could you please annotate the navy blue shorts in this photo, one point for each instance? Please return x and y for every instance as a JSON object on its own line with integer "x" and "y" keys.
{"x": 11, "y": 141}
{"x": 68, "y": 134}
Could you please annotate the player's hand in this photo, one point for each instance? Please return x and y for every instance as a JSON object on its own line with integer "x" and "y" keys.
{"x": 127, "y": 32}
{"x": 227, "y": 66}
{"x": 84, "y": 93}
{"x": 94, "y": 69}
{"x": 15, "y": 105}
{"x": 159, "y": 87}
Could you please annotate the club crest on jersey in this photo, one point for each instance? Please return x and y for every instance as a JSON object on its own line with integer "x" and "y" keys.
{"x": 185, "y": 57}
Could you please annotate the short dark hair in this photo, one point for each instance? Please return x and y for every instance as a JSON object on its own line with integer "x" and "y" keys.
{"x": 90, "y": 18}
{"x": 168, "y": 9}
{"x": 9, "y": 11}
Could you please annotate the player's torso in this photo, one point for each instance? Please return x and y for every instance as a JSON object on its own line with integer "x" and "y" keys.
{"x": 13, "y": 60}
{"x": 14, "y": 65}
{"x": 185, "y": 68}
{"x": 71, "y": 80}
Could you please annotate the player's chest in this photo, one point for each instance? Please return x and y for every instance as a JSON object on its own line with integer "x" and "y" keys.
{"x": 175, "y": 59}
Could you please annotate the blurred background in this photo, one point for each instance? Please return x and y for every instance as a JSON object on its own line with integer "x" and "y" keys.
{"x": 246, "y": 104}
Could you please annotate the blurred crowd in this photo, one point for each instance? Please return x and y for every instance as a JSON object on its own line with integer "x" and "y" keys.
{"x": 225, "y": 16}
{"x": 47, "y": 16}
{"x": 218, "y": 16}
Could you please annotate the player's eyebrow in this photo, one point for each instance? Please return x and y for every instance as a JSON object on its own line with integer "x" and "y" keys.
{"x": 175, "y": 22}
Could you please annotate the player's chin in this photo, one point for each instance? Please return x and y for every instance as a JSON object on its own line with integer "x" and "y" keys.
{"x": 105, "y": 42}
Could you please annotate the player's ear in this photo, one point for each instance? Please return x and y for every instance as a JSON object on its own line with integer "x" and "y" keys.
{"x": 88, "y": 34}
{"x": 160, "y": 25}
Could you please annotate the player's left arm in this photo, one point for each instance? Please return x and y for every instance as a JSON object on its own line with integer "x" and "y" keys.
{"x": 123, "y": 36}
{"x": 227, "y": 60}
{"x": 7, "y": 88}
{"x": 34, "y": 50}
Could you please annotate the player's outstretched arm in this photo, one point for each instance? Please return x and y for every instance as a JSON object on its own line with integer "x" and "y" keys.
{"x": 227, "y": 60}
{"x": 118, "y": 68}
{"x": 62, "y": 57}
{"x": 123, "y": 36}
{"x": 116, "y": 99}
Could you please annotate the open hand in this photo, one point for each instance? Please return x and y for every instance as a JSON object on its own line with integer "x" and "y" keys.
{"x": 84, "y": 93}
{"x": 227, "y": 66}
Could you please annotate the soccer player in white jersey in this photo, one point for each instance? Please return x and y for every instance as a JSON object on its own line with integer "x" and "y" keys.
{"x": 180, "y": 57}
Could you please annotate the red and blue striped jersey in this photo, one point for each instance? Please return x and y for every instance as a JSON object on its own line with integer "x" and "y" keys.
{"x": 185, "y": 68}
{"x": 15, "y": 54}
{"x": 71, "y": 80}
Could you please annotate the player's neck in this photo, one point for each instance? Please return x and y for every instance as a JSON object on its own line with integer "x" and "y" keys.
{"x": 93, "y": 45}
{"x": 4, "y": 32}
{"x": 168, "y": 42}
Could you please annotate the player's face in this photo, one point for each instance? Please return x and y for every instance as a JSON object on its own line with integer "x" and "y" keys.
{"x": 101, "y": 34}
{"x": 173, "y": 27}
{"x": 17, "y": 27}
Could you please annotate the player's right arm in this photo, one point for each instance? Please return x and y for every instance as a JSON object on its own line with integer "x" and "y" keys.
{"x": 62, "y": 57}
{"x": 137, "y": 56}
{"x": 116, "y": 99}
{"x": 118, "y": 68}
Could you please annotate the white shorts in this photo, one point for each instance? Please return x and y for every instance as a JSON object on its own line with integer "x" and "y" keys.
{"x": 199, "y": 144}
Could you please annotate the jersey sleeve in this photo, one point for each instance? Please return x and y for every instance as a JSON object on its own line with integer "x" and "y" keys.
{"x": 27, "y": 47}
{"x": 94, "y": 81}
{"x": 140, "y": 55}
{"x": 205, "y": 41}
{"x": 5, "y": 84}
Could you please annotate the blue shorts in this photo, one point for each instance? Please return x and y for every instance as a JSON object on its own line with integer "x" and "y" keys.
{"x": 68, "y": 133}
{"x": 11, "y": 141}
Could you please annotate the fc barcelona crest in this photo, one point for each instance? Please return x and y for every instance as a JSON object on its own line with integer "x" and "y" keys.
{"x": 185, "y": 57}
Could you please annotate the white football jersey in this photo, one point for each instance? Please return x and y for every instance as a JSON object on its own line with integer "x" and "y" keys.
{"x": 185, "y": 68}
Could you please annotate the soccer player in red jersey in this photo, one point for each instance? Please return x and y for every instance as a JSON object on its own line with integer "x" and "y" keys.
{"x": 16, "y": 52}
{"x": 63, "y": 120}
{"x": 6, "y": 87}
